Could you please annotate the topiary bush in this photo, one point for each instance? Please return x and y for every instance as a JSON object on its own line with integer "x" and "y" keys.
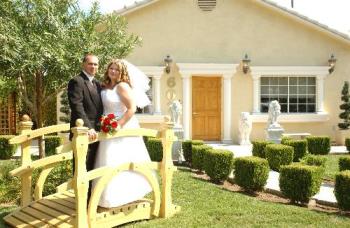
{"x": 316, "y": 160}
{"x": 51, "y": 142}
{"x": 259, "y": 148}
{"x": 344, "y": 163}
{"x": 10, "y": 186}
{"x": 347, "y": 144}
{"x": 251, "y": 173}
{"x": 318, "y": 144}
{"x": 218, "y": 164}
{"x": 342, "y": 189}
{"x": 198, "y": 153}
{"x": 155, "y": 148}
{"x": 300, "y": 148}
{"x": 7, "y": 150}
{"x": 285, "y": 139}
{"x": 278, "y": 154}
{"x": 187, "y": 149}
{"x": 300, "y": 182}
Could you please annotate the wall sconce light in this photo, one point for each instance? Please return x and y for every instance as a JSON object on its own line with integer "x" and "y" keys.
{"x": 245, "y": 63}
{"x": 331, "y": 63}
{"x": 168, "y": 60}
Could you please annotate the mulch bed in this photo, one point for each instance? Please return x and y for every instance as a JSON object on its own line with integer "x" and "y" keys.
{"x": 269, "y": 197}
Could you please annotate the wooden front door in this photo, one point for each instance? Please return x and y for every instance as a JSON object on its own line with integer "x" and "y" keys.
{"x": 206, "y": 108}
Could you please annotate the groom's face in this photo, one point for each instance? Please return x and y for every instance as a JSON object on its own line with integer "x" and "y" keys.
{"x": 90, "y": 65}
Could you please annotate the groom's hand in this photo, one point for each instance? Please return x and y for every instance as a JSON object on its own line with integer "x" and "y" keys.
{"x": 92, "y": 134}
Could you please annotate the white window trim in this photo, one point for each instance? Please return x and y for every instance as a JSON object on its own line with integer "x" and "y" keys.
{"x": 156, "y": 73}
{"x": 320, "y": 72}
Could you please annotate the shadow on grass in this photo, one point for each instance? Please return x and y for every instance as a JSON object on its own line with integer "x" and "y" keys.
{"x": 5, "y": 210}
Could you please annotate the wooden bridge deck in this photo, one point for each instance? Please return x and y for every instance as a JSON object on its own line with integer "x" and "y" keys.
{"x": 58, "y": 210}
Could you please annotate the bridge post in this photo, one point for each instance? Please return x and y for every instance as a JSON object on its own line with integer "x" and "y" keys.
{"x": 167, "y": 170}
{"x": 26, "y": 179}
{"x": 80, "y": 144}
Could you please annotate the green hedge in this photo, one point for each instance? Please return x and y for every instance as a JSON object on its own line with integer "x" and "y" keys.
{"x": 342, "y": 189}
{"x": 187, "y": 148}
{"x": 300, "y": 182}
{"x": 259, "y": 148}
{"x": 344, "y": 163}
{"x": 155, "y": 148}
{"x": 198, "y": 153}
{"x": 278, "y": 154}
{"x": 347, "y": 144}
{"x": 7, "y": 150}
{"x": 251, "y": 173}
{"x": 51, "y": 142}
{"x": 218, "y": 164}
{"x": 316, "y": 160}
{"x": 300, "y": 148}
{"x": 284, "y": 139}
{"x": 318, "y": 144}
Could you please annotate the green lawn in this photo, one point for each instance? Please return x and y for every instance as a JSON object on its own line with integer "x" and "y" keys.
{"x": 207, "y": 205}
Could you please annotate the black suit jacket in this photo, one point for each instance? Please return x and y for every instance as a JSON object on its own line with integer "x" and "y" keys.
{"x": 85, "y": 101}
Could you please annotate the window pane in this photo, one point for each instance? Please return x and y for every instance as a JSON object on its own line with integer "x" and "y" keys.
{"x": 302, "y": 90}
{"x": 283, "y": 81}
{"x": 293, "y": 99}
{"x": 302, "y": 81}
{"x": 302, "y": 99}
{"x": 274, "y": 81}
{"x": 293, "y": 81}
{"x": 264, "y": 107}
{"x": 264, "y": 99}
{"x": 311, "y": 99}
{"x": 264, "y": 89}
{"x": 283, "y": 89}
{"x": 264, "y": 81}
{"x": 311, "y": 81}
{"x": 311, "y": 108}
{"x": 283, "y": 99}
{"x": 301, "y": 107}
{"x": 284, "y": 108}
{"x": 274, "y": 90}
{"x": 311, "y": 90}
{"x": 293, "y": 108}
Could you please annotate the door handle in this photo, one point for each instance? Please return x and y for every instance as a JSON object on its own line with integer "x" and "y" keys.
{"x": 194, "y": 113}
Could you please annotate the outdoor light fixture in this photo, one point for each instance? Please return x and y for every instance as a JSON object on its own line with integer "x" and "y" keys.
{"x": 245, "y": 63}
{"x": 167, "y": 62}
{"x": 331, "y": 63}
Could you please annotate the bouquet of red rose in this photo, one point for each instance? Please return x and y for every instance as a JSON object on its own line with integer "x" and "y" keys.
{"x": 109, "y": 123}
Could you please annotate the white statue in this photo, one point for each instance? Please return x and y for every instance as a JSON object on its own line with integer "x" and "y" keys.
{"x": 274, "y": 112}
{"x": 245, "y": 127}
{"x": 176, "y": 110}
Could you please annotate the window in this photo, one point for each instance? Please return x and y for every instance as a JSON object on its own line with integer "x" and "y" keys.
{"x": 295, "y": 94}
{"x": 149, "y": 108}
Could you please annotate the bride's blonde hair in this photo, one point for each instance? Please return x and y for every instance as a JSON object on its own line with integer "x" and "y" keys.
{"x": 124, "y": 75}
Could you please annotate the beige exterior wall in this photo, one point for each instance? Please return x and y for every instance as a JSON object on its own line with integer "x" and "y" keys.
{"x": 236, "y": 27}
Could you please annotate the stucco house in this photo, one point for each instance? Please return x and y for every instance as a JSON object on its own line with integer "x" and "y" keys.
{"x": 207, "y": 41}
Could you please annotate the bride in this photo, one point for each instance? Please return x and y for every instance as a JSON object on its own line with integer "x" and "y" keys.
{"x": 121, "y": 94}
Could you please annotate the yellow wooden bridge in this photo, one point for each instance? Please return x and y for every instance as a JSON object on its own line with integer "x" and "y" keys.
{"x": 69, "y": 207}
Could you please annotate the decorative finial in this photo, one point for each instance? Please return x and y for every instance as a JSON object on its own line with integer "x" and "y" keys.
{"x": 25, "y": 118}
{"x": 79, "y": 122}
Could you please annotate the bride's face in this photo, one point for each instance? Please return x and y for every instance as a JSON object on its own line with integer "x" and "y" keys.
{"x": 114, "y": 73}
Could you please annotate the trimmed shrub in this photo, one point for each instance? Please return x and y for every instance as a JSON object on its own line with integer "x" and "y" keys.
{"x": 316, "y": 160}
{"x": 187, "y": 148}
{"x": 342, "y": 190}
{"x": 318, "y": 144}
{"x": 277, "y": 155}
{"x": 7, "y": 150}
{"x": 259, "y": 148}
{"x": 344, "y": 163}
{"x": 51, "y": 142}
{"x": 198, "y": 153}
{"x": 284, "y": 139}
{"x": 218, "y": 164}
{"x": 10, "y": 186}
{"x": 300, "y": 148}
{"x": 347, "y": 144}
{"x": 251, "y": 173}
{"x": 300, "y": 182}
{"x": 155, "y": 148}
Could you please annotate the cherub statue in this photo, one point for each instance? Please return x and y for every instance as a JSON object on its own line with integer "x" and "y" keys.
{"x": 274, "y": 112}
{"x": 175, "y": 110}
{"x": 245, "y": 127}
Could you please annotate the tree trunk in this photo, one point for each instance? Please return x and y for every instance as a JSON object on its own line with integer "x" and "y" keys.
{"x": 39, "y": 114}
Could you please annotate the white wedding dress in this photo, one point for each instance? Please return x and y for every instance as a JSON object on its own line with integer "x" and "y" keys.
{"x": 127, "y": 186}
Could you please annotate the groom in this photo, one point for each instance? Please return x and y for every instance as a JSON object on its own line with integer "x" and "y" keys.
{"x": 85, "y": 103}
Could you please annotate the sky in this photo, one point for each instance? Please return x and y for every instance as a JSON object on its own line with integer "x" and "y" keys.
{"x": 333, "y": 13}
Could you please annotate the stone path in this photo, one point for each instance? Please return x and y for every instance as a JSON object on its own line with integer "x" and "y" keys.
{"x": 324, "y": 196}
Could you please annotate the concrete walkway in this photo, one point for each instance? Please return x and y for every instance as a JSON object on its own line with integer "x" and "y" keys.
{"x": 324, "y": 196}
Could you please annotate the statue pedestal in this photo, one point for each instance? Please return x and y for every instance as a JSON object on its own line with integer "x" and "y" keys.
{"x": 274, "y": 133}
{"x": 177, "y": 154}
